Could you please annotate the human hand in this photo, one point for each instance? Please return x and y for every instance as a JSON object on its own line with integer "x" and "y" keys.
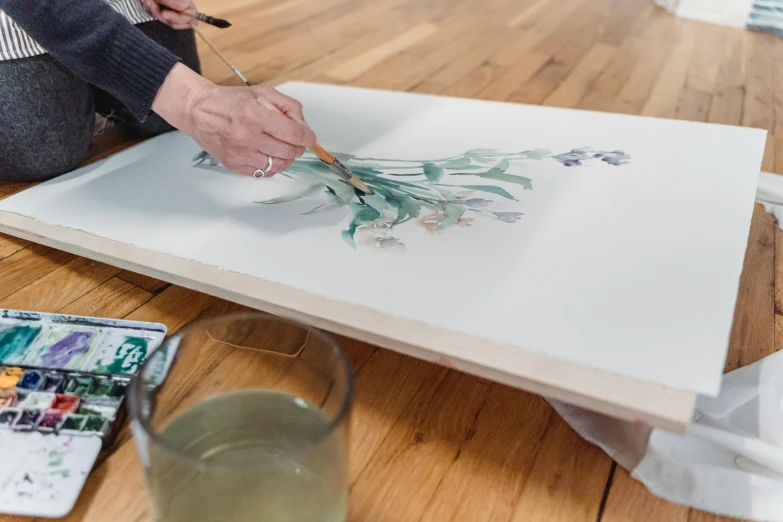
{"x": 232, "y": 125}
{"x": 169, "y": 12}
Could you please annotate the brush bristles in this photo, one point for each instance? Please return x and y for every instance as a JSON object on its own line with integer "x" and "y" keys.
{"x": 217, "y": 22}
{"x": 359, "y": 184}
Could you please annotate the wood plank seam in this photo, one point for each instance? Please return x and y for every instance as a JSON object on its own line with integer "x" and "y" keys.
{"x": 468, "y": 435}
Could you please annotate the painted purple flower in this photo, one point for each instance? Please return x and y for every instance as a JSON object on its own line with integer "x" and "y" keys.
{"x": 477, "y": 202}
{"x": 616, "y": 157}
{"x": 573, "y": 158}
{"x": 508, "y": 217}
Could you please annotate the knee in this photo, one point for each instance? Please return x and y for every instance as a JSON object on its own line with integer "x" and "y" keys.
{"x": 39, "y": 157}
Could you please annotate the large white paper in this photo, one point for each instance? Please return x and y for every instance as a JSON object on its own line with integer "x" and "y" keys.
{"x": 631, "y": 267}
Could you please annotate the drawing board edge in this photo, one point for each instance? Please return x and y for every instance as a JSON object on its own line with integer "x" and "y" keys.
{"x": 605, "y": 392}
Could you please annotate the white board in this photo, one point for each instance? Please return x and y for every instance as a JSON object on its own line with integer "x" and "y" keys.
{"x": 627, "y": 264}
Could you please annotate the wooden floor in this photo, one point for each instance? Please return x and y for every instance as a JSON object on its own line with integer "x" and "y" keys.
{"x": 430, "y": 444}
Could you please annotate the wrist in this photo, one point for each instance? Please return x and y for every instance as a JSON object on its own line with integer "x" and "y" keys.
{"x": 180, "y": 95}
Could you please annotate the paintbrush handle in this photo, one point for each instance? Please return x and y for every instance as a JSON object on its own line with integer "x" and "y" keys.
{"x": 220, "y": 55}
{"x": 319, "y": 151}
{"x": 201, "y": 17}
{"x": 322, "y": 154}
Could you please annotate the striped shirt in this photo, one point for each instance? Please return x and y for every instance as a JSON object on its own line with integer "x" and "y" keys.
{"x": 15, "y": 43}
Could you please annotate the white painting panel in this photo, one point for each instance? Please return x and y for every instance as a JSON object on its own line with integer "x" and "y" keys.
{"x": 611, "y": 241}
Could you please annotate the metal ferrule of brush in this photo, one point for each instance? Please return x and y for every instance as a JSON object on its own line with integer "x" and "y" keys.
{"x": 205, "y": 18}
{"x": 341, "y": 170}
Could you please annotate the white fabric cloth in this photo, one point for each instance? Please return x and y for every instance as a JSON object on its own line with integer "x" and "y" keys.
{"x": 770, "y": 194}
{"x": 756, "y": 15}
{"x": 730, "y": 462}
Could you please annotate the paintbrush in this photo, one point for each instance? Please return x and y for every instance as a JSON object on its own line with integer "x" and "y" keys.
{"x": 201, "y": 17}
{"x": 211, "y": 20}
{"x": 336, "y": 165}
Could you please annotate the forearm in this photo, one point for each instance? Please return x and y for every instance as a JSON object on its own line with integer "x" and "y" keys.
{"x": 98, "y": 45}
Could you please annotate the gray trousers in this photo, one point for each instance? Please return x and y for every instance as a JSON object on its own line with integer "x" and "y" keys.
{"x": 47, "y": 115}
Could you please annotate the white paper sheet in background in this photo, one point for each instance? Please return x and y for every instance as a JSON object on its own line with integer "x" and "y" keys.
{"x": 625, "y": 268}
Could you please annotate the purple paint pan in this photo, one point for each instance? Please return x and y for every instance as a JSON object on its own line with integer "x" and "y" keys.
{"x": 27, "y": 420}
{"x": 51, "y": 420}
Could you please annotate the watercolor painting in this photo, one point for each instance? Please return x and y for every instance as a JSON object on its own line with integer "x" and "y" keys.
{"x": 434, "y": 194}
{"x": 579, "y": 243}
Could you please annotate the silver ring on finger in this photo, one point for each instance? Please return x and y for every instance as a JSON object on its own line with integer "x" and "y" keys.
{"x": 264, "y": 172}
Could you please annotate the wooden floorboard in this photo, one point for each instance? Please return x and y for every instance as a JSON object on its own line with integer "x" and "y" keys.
{"x": 430, "y": 444}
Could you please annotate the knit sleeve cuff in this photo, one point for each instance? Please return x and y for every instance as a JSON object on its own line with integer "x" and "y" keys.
{"x": 136, "y": 68}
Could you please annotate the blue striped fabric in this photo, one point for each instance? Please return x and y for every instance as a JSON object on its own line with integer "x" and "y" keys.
{"x": 766, "y": 16}
{"x": 15, "y": 43}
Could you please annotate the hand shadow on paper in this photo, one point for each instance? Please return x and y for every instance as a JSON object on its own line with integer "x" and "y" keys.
{"x": 166, "y": 188}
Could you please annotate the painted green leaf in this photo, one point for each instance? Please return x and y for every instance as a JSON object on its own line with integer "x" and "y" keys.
{"x": 453, "y": 212}
{"x": 348, "y": 236}
{"x": 411, "y": 206}
{"x": 324, "y": 207}
{"x": 535, "y": 154}
{"x": 364, "y": 171}
{"x": 341, "y": 190}
{"x": 407, "y": 208}
{"x": 498, "y": 175}
{"x": 502, "y": 164}
{"x": 433, "y": 172}
{"x": 313, "y": 189}
{"x": 376, "y": 202}
{"x": 362, "y": 214}
{"x": 421, "y": 192}
{"x": 459, "y": 163}
{"x": 447, "y": 194}
{"x": 491, "y": 189}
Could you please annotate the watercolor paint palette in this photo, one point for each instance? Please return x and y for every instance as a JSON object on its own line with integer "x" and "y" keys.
{"x": 76, "y": 343}
{"x": 55, "y": 401}
{"x": 63, "y": 381}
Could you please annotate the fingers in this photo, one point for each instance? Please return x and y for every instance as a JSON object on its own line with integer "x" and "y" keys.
{"x": 288, "y": 131}
{"x": 153, "y": 8}
{"x": 290, "y": 128}
{"x": 176, "y": 20}
{"x": 170, "y": 16}
{"x": 178, "y": 5}
{"x": 249, "y": 149}
{"x": 289, "y": 106}
{"x": 278, "y": 149}
{"x": 249, "y": 166}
